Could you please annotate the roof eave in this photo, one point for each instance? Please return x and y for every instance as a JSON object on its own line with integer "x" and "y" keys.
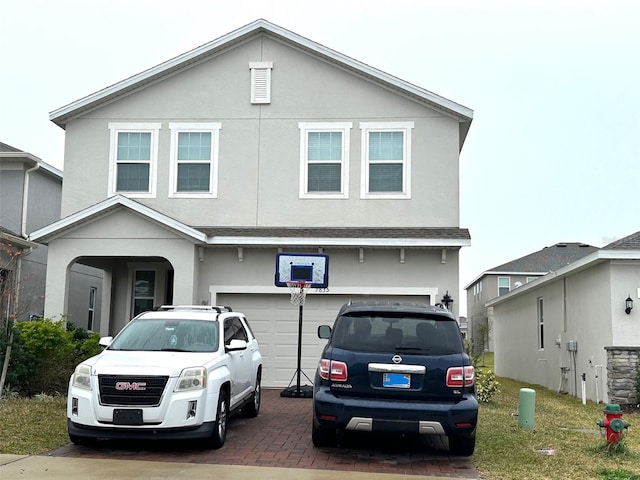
{"x": 61, "y": 115}
{"x": 588, "y": 261}
{"x": 337, "y": 242}
{"x": 49, "y": 232}
{"x": 17, "y": 241}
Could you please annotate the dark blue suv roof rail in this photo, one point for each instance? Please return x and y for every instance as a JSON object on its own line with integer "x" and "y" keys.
{"x": 391, "y": 306}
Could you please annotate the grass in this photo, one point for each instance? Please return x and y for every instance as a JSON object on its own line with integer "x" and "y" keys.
{"x": 564, "y": 442}
{"x": 563, "y": 427}
{"x": 32, "y": 425}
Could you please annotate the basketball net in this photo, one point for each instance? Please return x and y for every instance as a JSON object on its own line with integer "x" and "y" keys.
{"x": 298, "y": 291}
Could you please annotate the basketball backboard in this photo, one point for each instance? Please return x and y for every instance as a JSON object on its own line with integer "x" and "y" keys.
{"x": 302, "y": 267}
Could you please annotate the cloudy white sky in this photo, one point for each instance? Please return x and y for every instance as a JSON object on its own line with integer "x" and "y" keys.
{"x": 553, "y": 154}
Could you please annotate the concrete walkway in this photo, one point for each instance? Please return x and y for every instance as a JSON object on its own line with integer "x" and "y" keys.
{"x": 36, "y": 467}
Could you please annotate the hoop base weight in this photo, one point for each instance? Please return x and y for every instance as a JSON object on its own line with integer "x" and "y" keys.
{"x": 305, "y": 391}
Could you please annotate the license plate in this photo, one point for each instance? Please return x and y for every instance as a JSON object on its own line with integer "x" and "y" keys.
{"x": 128, "y": 416}
{"x": 396, "y": 380}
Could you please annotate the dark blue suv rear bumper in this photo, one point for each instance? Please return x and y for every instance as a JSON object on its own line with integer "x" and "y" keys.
{"x": 356, "y": 413}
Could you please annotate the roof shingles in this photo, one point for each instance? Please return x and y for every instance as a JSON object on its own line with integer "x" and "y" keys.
{"x": 548, "y": 259}
{"x": 337, "y": 232}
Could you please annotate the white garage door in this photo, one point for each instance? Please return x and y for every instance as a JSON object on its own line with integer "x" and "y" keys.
{"x": 274, "y": 320}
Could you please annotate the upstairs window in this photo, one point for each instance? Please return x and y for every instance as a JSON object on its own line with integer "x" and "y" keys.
{"x": 504, "y": 285}
{"x": 386, "y": 160}
{"x": 194, "y": 159}
{"x": 133, "y": 159}
{"x": 324, "y": 160}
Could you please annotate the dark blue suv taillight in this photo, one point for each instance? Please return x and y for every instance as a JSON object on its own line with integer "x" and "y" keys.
{"x": 333, "y": 370}
{"x": 458, "y": 377}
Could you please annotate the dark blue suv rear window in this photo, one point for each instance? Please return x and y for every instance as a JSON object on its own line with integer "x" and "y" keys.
{"x": 376, "y": 333}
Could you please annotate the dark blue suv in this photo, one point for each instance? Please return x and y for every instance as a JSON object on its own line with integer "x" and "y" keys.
{"x": 395, "y": 367}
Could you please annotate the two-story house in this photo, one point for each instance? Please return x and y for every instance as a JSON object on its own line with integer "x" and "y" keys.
{"x": 185, "y": 181}
{"x": 503, "y": 278}
{"x": 30, "y": 196}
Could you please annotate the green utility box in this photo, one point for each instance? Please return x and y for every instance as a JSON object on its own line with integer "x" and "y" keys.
{"x": 527, "y": 408}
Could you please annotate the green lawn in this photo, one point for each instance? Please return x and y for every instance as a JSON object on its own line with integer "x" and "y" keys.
{"x": 563, "y": 444}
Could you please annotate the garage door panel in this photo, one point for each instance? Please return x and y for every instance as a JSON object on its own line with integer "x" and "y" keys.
{"x": 274, "y": 321}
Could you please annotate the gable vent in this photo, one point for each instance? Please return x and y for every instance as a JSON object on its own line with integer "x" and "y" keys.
{"x": 261, "y": 82}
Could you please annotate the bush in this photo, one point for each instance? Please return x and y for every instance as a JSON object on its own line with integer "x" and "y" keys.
{"x": 22, "y": 361}
{"x": 54, "y": 352}
{"x": 44, "y": 355}
{"x": 486, "y": 385}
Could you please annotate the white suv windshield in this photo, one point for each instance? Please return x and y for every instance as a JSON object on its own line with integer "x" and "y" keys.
{"x": 375, "y": 333}
{"x": 168, "y": 335}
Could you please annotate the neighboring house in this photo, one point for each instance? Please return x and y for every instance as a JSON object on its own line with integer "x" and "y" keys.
{"x": 575, "y": 321}
{"x": 16, "y": 297}
{"x": 502, "y": 279}
{"x": 185, "y": 181}
{"x": 30, "y": 197}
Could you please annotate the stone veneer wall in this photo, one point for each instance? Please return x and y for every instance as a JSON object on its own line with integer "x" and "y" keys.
{"x": 623, "y": 368}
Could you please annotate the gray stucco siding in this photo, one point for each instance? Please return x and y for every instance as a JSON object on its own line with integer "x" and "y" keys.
{"x": 259, "y": 154}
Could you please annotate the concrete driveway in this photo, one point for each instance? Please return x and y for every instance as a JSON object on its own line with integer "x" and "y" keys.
{"x": 281, "y": 437}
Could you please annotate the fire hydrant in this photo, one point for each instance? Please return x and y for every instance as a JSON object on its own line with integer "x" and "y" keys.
{"x": 613, "y": 423}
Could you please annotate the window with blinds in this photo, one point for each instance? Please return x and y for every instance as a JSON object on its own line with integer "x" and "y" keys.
{"x": 133, "y": 159}
{"x": 324, "y": 154}
{"x": 386, "y": 160}
{"x": 194, "y": 159}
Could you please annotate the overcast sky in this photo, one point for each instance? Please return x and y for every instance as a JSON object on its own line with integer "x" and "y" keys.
{"x": 553, "y": 154}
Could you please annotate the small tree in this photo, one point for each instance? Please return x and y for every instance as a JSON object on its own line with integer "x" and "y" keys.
{"x": 11, "y": 285}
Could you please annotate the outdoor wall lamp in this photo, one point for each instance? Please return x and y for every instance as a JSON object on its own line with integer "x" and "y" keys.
{"x": 628, "y": 304}
{"x": 446, "y": 300}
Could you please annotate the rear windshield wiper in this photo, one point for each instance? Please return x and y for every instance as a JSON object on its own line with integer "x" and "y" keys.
{"x": 399, "y": 347}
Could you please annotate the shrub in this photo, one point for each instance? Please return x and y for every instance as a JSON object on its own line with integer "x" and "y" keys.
{"x": 486, "y": 385}
{"x": 21, "y": 364}
{"x": 44, "y": 355}
{"x": 51, "y": 345}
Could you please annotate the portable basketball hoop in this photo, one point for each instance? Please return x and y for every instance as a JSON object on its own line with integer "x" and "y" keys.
{"x": 298, "y": 291}
{"x": 301, "y": 272}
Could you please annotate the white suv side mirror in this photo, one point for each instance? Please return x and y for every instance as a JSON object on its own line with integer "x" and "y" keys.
{"x": 235, "y": 345}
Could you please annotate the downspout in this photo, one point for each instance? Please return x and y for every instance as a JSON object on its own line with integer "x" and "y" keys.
{"x": 23, "y": 226}
{"x": 25, "y": 199}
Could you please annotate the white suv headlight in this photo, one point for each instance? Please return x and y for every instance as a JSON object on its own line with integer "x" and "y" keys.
{"x": 82, "y": 377}
{"x": 194, "y": 378}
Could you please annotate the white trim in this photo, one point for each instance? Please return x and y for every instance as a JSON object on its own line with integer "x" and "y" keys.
{"x": 584, "y": 263}
{"x": 368, "y": 127}
{"x": 305, "y": 129}
{"x": 89, "y": 213}
{"x": 460, "y": 112}
{"x": 209, "y": 127}
{"x": 432, "y": 293}
{"x": 260, "y": 82}
{"x": 153, "y": 129}
{"x": 338, "y": 242}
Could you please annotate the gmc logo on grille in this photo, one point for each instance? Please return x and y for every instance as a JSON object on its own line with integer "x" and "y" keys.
{"x": 131, "y": 385}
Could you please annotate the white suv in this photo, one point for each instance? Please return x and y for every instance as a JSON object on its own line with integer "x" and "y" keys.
{"x": 174, "y": 373}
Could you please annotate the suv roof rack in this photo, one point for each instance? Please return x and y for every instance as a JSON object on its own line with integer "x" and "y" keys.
{"x": 217, "y": 308}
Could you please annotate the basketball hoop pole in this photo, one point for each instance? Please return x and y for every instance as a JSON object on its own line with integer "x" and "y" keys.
{"x": 299, "y": 370}
{"x": 298, "y": 294}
